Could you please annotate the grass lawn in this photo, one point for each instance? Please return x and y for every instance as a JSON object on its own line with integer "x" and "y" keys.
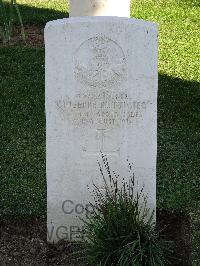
{"x": 22, "y": 120}
{"x": 22, "y": 130}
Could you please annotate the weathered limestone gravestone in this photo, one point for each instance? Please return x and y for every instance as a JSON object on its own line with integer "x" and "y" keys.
{"x": 101, "y": 96}
{"x": 99, "y": 8}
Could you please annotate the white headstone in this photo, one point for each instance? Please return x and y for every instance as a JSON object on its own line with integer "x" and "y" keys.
{"x": 119, "y": 8}
{"x": 101, "y": 96}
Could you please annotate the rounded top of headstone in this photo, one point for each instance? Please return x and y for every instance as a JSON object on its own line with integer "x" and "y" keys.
{"x": 119, "y": 8}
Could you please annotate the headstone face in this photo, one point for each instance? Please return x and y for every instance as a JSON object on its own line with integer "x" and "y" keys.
{"x": 101, "y": 96}
{"x": 119, "y": 8}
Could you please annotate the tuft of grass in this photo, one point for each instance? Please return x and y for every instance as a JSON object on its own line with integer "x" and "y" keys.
{"x": 121, "y": 230}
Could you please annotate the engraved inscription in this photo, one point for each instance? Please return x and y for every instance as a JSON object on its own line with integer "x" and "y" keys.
{"x": 100, "y": 62}
{"x": 103, "y": 142}
{"x": 103, "y": 110}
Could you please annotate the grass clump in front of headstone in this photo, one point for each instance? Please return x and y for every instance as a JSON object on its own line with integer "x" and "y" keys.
{"x": 121, "y": 230}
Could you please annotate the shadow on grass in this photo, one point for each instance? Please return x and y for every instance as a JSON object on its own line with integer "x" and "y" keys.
{"x": 178, "y": 165}
{"x": 37, "y": 16}
{"x": 23, "y": 182}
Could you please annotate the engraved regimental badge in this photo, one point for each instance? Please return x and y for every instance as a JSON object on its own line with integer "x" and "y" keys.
{"x": 100, "y": 62}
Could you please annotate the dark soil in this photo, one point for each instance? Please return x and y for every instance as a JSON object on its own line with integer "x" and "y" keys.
{"x": 24, "y": 243}
{"x": 34, "y": 36}
{"x": 176, "y": 228}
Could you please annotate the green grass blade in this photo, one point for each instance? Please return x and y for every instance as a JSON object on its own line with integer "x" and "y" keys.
{"x": 2, "y": 33}
{"x": 20, "y": 20}
{"x": 3, "y": 13}
{"x": 5, "y": 19}
{"x": 10, "y": 19}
